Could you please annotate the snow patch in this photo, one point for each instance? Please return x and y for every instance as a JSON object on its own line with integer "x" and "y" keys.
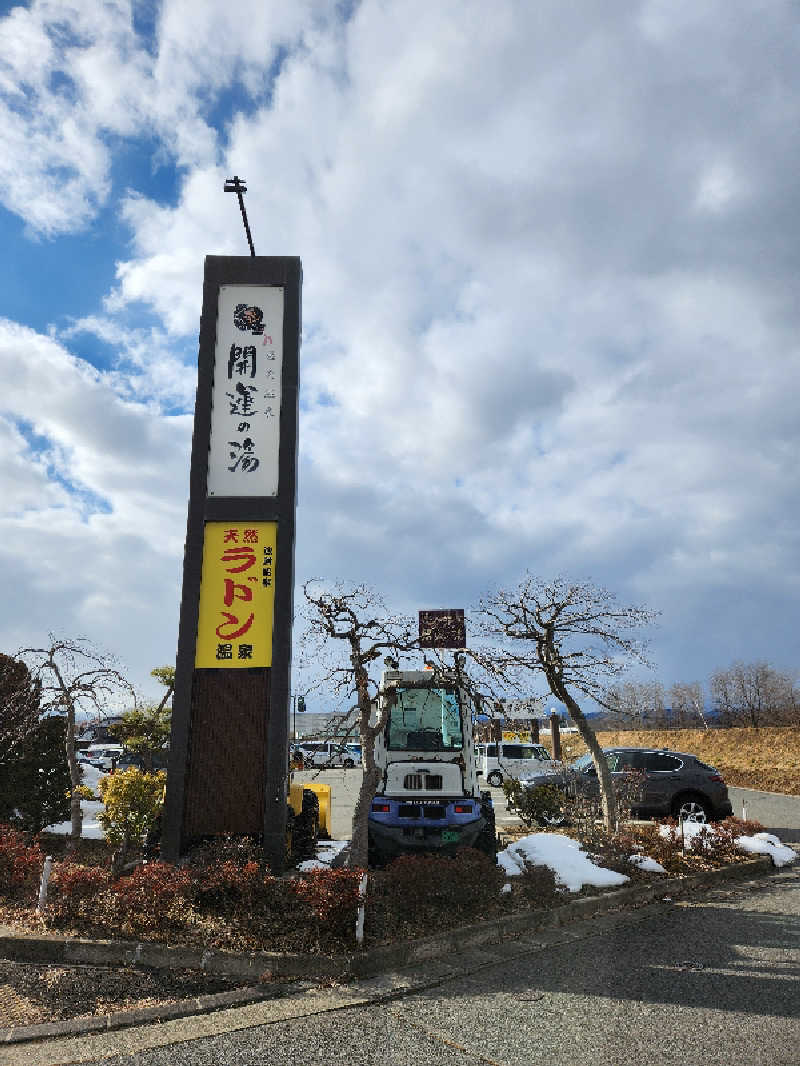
{"x": 644, "y": 862}
{"x": 767, "y": 844}
{"x": 571, "y": 865}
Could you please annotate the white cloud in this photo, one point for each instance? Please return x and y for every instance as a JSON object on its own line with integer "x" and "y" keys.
{"x": 147, "y": 363}
{"x": 69, "y": 74}
{"x": 549, "y": 309}
{"x": 74, "y": 74}
{"x": 92, "y": 524}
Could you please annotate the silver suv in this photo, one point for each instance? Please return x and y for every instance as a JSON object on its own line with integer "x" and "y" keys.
{"x": 673, "y": 783}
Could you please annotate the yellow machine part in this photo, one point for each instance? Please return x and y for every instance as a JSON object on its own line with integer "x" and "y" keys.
{"x": 323, "y": 794}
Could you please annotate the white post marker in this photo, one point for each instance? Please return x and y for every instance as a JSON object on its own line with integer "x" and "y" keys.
{"x": 362, "y": 895}
{"x": 48, "y": 866}
{"x": 744, "y": 810}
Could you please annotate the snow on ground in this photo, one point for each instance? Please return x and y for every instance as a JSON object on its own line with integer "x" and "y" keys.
{"x": 327, "y": 850}
{"x": 644, "y": 862}
{"x": 767, "y": 844}
{"x": 759, "y": 844}
{"x": 571, "y": 865}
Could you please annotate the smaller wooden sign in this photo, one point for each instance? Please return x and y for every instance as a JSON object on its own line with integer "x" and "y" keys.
{"x": 442, "y": 629}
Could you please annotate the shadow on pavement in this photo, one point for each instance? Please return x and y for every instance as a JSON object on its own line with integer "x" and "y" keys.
{"x": 716, "y": 955}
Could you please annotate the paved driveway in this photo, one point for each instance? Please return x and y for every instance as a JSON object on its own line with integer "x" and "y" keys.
{"x": 344, "y": 792}
{"x": 780, "y": 814}
{"x": 713, "y": 981}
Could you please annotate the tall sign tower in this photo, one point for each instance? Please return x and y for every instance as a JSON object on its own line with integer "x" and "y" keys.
{"x": 228, "y": 753}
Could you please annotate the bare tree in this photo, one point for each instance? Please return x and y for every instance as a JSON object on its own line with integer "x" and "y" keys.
{"x": 637, "y": 704}
{"x": 575, "y": 635}
{"x": 20, "y": 704}
{"x": 753, "y": 694}
{"x": 356, "y": 617}
{"x": 686, "y": 702}
{"x": 74, "y": 676}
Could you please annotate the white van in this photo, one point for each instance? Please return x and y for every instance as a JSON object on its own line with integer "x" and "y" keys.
{"x": 513, "y": 759}
{"x": 327, "y": 753}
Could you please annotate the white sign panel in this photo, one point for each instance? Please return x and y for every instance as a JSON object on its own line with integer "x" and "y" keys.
{"x": 246, "y": 394}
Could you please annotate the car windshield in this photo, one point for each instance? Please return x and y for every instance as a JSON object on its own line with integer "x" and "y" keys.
{"x": 583, "y": 762}
{"x": 425, "y": 719}
{"x": 525, "y": 751}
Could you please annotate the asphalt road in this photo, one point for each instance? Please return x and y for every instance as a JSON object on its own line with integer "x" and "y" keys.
{"x": 712, "y": 981}
{"x": 780, "y": 814}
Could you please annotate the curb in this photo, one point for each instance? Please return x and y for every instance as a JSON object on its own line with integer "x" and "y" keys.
{"x": 103, "y": 1023}
{"x": 366, "y": 964}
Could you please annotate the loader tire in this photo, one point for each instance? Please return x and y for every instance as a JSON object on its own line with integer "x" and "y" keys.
{"x": 305, "y": 835}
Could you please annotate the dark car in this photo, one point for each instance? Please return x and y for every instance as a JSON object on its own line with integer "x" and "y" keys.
{"x": 673, "y": 782}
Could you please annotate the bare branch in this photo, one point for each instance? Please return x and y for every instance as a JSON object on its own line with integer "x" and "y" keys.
{"x": 74, "y": 676}
{"x": 576, "y": 636}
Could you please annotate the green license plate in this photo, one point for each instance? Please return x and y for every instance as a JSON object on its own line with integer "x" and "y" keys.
{"x": 450, "y": 836}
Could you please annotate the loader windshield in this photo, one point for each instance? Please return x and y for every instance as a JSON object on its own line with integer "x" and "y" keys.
{"x": 425, "y": 719}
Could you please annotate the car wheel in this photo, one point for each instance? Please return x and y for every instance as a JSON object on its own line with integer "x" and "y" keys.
{"x": 495, "y": 778}
{"x": 348, "y": 764}
{"x": 691, "y": 808}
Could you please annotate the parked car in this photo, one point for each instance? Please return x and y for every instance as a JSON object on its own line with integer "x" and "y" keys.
{"x": 355, "y": 751}
{"x": 327, "y": 753}
{"x": 102, "y": 755}
{"x": 127, "y": 761}
{"x": 498, "y": 761}
{"x": 673, "y": 782}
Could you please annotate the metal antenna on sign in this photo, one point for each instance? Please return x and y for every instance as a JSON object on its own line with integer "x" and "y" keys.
{"x": 236, "y": 185}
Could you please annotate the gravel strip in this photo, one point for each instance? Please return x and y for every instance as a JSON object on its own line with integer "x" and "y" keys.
{"x": 32, "y": 993}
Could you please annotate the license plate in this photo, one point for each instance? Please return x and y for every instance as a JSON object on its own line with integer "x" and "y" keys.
{"x": 450, "y": 836}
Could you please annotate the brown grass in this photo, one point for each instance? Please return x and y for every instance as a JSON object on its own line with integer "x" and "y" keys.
{"x": 767, "y": 759}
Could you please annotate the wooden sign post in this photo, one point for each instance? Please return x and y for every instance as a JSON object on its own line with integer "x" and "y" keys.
{"x": 228, "y": 760}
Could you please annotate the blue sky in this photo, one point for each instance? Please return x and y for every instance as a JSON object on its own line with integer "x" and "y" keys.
{"x": 550, "y": 312}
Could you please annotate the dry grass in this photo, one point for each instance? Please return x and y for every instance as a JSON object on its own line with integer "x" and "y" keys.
{"x": 767, "y": 759}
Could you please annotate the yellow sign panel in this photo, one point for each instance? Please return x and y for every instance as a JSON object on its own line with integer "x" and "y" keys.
{"x": 523, "y": 737}
{"x": 237, "y": 595}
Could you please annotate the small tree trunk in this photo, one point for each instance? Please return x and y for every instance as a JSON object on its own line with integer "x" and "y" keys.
{"x": 608, "y": 798}
{"x": 119, "y": 857}
{"x": 76, "y": 814}
{"x": 549, "y": 660}
{"x": 359, "y": 844}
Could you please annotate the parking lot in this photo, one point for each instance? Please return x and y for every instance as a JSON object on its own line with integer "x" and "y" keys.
{"x": 779, "y": 814}
{"x": 344, "y": 793}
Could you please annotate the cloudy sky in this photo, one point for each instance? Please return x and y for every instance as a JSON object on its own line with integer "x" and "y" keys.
{"x": 550, "y": 258}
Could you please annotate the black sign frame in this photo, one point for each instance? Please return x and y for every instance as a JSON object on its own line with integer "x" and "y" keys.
{"x": 243, "y": 712}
